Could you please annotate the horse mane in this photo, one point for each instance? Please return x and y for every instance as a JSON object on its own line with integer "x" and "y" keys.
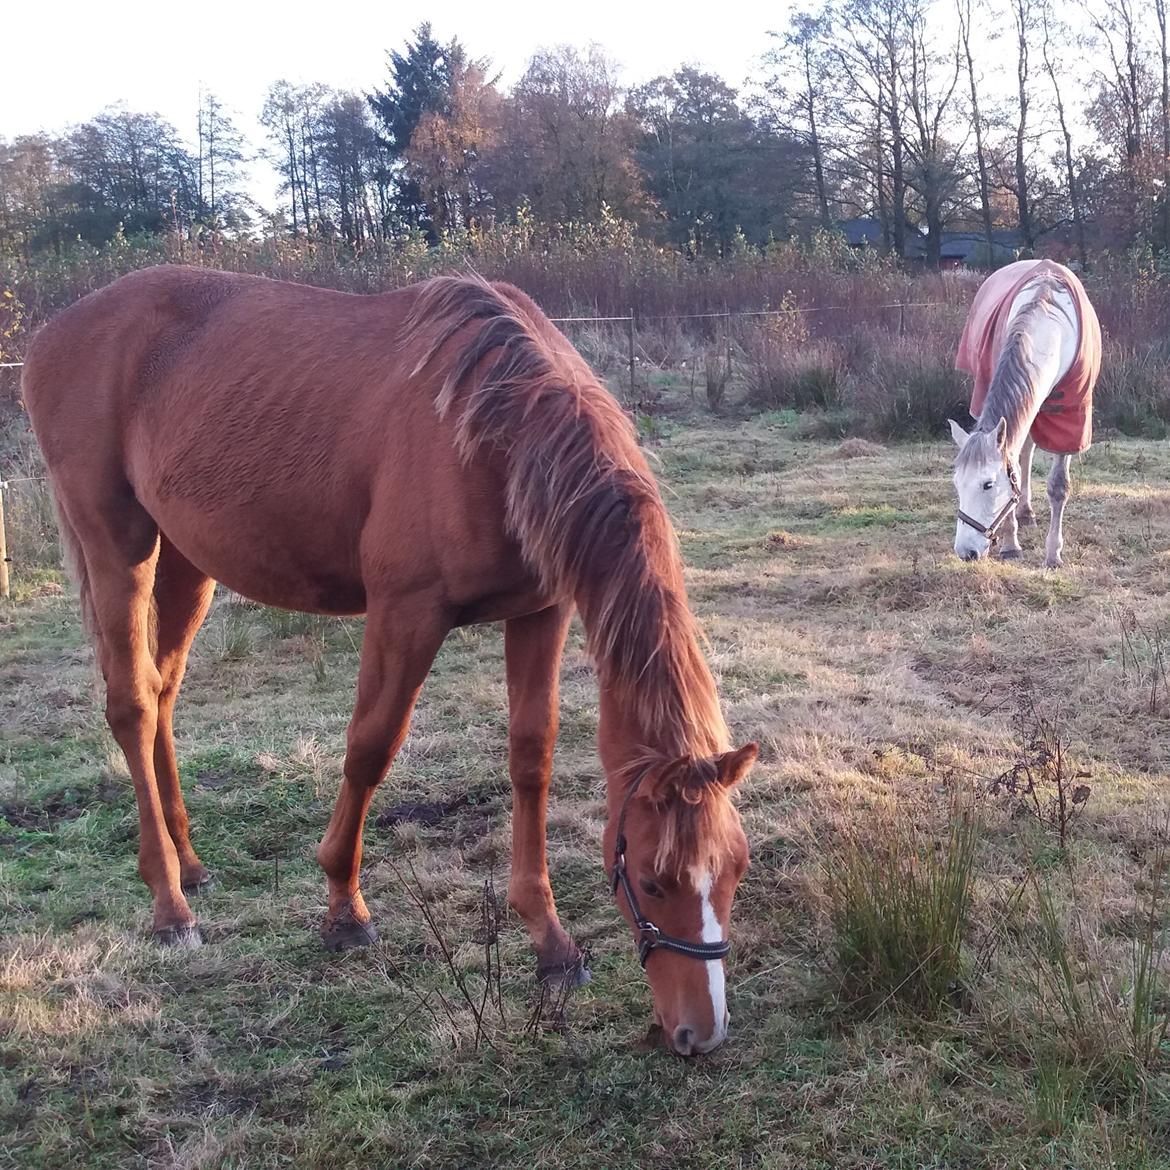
{"x": 581, "y": 501}
{"x": 1012, "y": 392}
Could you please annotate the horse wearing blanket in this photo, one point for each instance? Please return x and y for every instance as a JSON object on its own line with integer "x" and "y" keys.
{"x": 1033, "y": 343}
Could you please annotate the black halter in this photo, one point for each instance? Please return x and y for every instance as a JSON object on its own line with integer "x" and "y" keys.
{"x": 991, "y": 531}
{"x": 649, "y": 936}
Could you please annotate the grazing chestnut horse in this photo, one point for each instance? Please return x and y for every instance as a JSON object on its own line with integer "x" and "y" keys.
{"x": 431, "y": 457}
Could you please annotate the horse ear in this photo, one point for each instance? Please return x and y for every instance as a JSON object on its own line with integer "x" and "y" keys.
{"x": 685, "y": 777}
{"x": 663, "y": 783}
{"x": 1001, "y": 434}
{"x": 732, "y": 767}
{"x": 957, "y": 433}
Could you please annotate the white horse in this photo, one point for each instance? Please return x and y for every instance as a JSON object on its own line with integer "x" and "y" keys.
{"x": 1033, "y": 342}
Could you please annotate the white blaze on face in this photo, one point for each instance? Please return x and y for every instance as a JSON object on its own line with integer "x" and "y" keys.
{"x": 713, "y": 933}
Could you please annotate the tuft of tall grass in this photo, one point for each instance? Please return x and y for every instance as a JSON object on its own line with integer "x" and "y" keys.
{"x": 233, "y": 633}
{"x": 717, "y": 373}
{"x": 900, "y": 904}
{"x": 1112, "y": 1026}
{"x": 30, "y": 519}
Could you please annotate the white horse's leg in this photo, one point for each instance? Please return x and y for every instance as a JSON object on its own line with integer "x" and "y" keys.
{"x": 1024, "y": 513}
{"x": 1009, "y": 539}
{"x": 1057, "y": 494}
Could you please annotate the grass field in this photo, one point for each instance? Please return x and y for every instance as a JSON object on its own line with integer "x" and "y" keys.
{"x": 883, "y": 680}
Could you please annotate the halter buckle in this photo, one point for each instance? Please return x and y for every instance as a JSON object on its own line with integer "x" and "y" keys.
{"x": 649, "y": 938}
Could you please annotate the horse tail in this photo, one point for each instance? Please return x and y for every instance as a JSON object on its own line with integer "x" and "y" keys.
{"x": 75, "y": 565}
{"x": 71, "y": 549}
{"x": 580, "y": 499}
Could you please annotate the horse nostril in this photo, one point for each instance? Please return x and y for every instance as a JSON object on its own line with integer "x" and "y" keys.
{"x": 683, "y": 1041}
{"x": 970, "y": 555}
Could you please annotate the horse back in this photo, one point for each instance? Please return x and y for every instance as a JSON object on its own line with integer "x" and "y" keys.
{"x": 278, "y": 434}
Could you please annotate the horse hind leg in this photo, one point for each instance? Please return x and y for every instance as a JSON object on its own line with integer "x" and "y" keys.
{"x": 182, "y": 595}
{"x": 116, "y": 545}
{"x": 1058, "y": 487}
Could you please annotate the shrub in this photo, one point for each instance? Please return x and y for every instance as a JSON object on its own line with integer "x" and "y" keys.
{"x": 910, "y": 390}
{"x": 804, "y": 378}
{"x": 1133, "y": 392}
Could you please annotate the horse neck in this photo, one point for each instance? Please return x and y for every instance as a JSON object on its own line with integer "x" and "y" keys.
{"x": 1035, "y": 357}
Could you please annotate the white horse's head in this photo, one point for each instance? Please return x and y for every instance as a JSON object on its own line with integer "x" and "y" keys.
{"x": 987, "y": 486}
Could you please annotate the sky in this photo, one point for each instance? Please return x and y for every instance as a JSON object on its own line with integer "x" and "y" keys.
{"x": 64, "y": 62}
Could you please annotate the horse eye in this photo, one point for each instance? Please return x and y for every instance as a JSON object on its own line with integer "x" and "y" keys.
{"x": 651, "y": 888}
{"x": 989, "y": 485}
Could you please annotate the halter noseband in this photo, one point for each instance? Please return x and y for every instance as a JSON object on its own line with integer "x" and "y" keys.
{"x": 649, "y": 936}
{"x": 991, "y": 531}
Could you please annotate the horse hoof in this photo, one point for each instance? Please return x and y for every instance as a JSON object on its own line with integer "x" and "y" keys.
{"x": 1056, "y": 564}
{"x": 1011, "y": 554}
{"x": 345, "y": 933}
{"x": 186, "y": 938}
{"x": 565, "y": 975}
{"x": 202, "y": 882}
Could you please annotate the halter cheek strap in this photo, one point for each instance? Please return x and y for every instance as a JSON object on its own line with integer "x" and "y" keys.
{"x": 991, "y": 531}
{"x": 650, "y": 938}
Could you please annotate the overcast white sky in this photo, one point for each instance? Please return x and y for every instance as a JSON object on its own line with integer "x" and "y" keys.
{"x": 63, "y": 62}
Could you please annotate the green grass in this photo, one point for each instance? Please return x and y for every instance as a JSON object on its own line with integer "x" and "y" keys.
{"x": 862, "y": 657}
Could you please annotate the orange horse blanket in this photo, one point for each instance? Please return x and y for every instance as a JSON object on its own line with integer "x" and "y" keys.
{"x": 1064, "y": 425}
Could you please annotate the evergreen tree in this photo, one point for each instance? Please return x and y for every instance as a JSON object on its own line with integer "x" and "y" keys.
{"x": 419, "y": 83}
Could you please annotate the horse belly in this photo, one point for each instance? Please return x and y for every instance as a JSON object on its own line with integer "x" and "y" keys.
{"x": 294, "y": 560}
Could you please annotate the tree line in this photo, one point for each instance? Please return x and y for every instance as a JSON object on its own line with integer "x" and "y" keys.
{"x": 1044, "y": 119}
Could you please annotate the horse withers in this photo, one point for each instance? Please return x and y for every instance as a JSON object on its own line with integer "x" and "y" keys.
{"x": 1033, "y": 343}
{"x": 430, "y": 457}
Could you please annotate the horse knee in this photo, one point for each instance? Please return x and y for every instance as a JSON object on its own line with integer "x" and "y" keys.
{"x": 368, "y": 760}
{"x": 1058, "y": 484}
{"x": 529, "y": 760}
{"x": 131, "y": 710}
{"x": 529, "y": 893}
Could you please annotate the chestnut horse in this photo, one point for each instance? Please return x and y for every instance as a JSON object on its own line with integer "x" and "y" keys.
{"x": 431, "y": 457}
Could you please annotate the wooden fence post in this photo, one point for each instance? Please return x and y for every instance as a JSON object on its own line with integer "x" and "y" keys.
{"x": 631, "y": 334}
{"x": 5, "y": 587}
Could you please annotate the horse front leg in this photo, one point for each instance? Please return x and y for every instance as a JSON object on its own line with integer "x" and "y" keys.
{"x": 532, "y": 650}
{"x": 1024, "y": 514}
{"x": 1058, "y": 483}
{"x": 398, "y": 648}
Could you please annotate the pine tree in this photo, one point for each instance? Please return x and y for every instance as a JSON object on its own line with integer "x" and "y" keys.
{"x": 419, "y": 83}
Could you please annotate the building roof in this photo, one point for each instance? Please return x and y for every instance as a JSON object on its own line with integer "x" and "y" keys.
{"x": 866, "y": 231}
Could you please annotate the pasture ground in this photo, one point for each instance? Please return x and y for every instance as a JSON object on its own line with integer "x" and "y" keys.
{"x": 877, "y": 673}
